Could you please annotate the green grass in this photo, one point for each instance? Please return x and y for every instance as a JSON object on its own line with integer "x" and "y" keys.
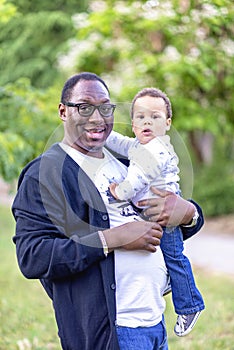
{"x": 27, "y": 318}
{"x": 26, "y": 314}
{"x": 215, "y": 327}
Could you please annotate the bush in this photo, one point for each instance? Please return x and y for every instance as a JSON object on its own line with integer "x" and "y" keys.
{"x": 213, "y": 188}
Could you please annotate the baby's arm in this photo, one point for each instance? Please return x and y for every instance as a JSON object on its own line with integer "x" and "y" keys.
{"x": 119, "y": 143}
{"x": 112, "y": 188}
{"x": 134, "y": 182}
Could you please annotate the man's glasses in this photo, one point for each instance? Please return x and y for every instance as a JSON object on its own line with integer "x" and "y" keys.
{"x": 86, "y": 109}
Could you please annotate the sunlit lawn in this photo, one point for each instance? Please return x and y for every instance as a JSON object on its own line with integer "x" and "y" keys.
{"x": 215, "y": 327}
{"x": 27, "y": 319}
{"x": 26, "y": 315}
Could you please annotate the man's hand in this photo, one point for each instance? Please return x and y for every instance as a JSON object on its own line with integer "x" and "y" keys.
{"x": 137, "y": 235}
{"x": 168, "y": 209}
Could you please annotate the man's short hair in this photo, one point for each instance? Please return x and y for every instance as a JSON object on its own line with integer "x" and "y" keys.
{"x": 71, "y": 82}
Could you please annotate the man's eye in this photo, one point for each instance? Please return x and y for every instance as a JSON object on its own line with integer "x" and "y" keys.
{"x": 105, "y": 108}
{"x": 85, "y": 108}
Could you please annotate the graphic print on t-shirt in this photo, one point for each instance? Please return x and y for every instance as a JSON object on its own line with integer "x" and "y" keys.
{"x": 103, "y": 178}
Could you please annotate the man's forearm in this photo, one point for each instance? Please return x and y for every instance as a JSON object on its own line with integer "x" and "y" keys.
{"x": 140, "y": 235}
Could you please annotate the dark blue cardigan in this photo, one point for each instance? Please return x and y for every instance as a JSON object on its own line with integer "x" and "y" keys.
{"x": 58, "y": 212}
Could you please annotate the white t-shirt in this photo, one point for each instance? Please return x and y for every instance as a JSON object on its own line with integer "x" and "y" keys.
{"x": 141, "y": 277}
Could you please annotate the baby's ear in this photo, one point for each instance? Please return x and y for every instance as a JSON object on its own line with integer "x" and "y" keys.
{"x": 168, "y": 123}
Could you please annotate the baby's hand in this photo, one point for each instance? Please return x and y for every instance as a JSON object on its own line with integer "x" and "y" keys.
{"x": 112, "y": 188}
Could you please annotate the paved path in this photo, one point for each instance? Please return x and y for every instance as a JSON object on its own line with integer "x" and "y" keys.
{"x": 212, "y": 251}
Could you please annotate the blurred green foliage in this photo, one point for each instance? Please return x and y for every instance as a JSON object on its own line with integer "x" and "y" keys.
{"x": 30, "y": 44}
{"x": 183, "y": 47}
{"x": 7, "y": 11}
{"x": 67, "y": 6}
{"x": 24, "y": 126}
{"x": 214, "y": 187}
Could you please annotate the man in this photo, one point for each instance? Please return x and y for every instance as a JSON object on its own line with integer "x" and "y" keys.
{"x": 67, "y": 230}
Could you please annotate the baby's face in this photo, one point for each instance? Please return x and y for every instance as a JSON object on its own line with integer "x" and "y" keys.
{"x": 150, "y": 118}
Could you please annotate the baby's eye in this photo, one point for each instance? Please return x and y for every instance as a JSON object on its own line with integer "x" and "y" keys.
{"x": 155, "y": 116}
{"x": 140, "y": 116}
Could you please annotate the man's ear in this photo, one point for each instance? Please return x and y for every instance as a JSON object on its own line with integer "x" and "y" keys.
{"x": 168, "y": 123}
{"x": 62, "y": 112}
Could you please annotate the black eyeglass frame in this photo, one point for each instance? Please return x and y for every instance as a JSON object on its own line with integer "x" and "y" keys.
{"x": 98, "y": 107}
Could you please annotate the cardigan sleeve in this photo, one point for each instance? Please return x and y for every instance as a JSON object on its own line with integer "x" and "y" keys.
{"x": 190, "y": 231}
{"x": 51, "y": 240}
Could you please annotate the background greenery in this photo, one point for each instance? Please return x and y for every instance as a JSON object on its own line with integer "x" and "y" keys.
{"x": 185, "y": 47}
{"x": 27, "y": 318}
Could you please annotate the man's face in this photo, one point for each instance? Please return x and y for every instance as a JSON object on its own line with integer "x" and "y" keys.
{"x": 150, "y": 118}
{"x": 87, "y": 134}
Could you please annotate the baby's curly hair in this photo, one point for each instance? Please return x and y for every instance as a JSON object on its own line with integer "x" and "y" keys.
{"x": 153, "y": 92}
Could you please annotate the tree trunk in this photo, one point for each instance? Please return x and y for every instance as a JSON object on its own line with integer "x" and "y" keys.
{"x": 202, "y": 144}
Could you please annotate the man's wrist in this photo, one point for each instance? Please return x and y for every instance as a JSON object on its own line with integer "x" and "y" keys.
{"x": 104, "y": 244}
{"x": 193, "y": 222}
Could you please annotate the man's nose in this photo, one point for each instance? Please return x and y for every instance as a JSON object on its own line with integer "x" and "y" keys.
{"x": 96, "y": 116}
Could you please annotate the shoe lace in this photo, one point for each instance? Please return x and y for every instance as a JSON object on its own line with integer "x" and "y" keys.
{"x": 182, "y": 320}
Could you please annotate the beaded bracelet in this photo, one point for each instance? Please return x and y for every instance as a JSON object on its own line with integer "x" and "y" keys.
{"x": 104, "y": 244}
